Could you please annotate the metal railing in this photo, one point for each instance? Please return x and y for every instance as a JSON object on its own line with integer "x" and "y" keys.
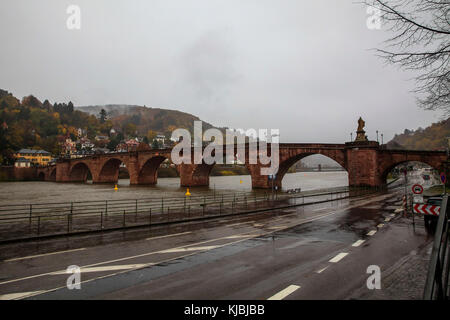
{"x": 22, "y": 221}
{"x": 437, "y": 286}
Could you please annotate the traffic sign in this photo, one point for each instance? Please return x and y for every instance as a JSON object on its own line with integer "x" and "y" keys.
{"x": 427, "y": 209}
{"x": 418, "y": 199}
{"x": 417, "y": 189}
{"x": 443, "y": 177}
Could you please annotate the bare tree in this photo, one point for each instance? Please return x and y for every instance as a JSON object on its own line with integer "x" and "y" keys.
{"x": 421, "y": 42}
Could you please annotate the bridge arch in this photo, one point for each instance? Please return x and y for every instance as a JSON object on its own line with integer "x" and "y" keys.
{"x": 41, "y": 176}
{"x": 148, "y": 173}
{"x": 287, "y": 161}
{"x": 79, "y": 172}
{"x": 388, "y": 161}
{"x": 388, "y": 169}
{"x": 109, "y": 172}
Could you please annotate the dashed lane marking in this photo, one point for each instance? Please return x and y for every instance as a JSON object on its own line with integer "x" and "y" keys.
{"x": 387, "y": 219}
{"x": 321, "y": 270}
{"x": 381, "y": 225}
{"x": 339, "y": 257}
{"x": 358, "y": 243}
{"x": 372, "y": 232}
{"x": 284, "y": 293}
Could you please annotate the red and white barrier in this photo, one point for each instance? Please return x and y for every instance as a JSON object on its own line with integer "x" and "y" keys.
{"x": 427, "y": 209}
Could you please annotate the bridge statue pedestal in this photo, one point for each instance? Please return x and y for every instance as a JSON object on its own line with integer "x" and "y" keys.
{"x": 362, "y": 163}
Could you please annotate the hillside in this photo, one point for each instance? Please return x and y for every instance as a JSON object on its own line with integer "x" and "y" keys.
{"x": 30, "y": 123}
{"x": 144, "y": 119}
{"x": 433, "y": 137}
{"x": 33, "y": 124}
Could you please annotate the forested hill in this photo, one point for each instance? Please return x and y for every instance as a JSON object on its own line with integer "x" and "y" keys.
{"x": 33, "y": 124}
{"x": 433, "y": 137}
{"x": 144, "y": 119}
{"x": 30, "y": 123}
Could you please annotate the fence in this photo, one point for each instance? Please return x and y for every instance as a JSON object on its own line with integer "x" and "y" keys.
{"x": 19, "y": 221}
{"x": 436, "y": 286}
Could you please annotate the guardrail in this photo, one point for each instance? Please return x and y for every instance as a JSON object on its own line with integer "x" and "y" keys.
{"x": 23, "y": 221}
{"x": 437, "y": 286}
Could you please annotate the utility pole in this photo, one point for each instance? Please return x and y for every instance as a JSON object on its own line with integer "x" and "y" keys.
{"x": 406, "y": 182}
{"x": 377, "y": 135}
{"x": 381, "y": 139}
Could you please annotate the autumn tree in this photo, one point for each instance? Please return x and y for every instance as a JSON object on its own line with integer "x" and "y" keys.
{"x": 102, "y": 116}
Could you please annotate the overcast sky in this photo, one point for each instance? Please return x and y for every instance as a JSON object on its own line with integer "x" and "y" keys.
{"x": 304, "y": 67}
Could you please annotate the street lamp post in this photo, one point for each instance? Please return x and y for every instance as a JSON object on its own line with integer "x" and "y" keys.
{"x": 381, "y": 139}
{"x": 377, "y": 135}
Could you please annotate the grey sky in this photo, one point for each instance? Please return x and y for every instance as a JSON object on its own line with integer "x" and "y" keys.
{"x": 301, "y": 66}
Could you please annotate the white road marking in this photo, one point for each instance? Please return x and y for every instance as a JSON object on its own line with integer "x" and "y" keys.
{"x": 372, "y": 232}
{"x": 43, "y": 255}
{"x": 392, "y": 215}
{"x": 321, "y": 270}
{"x": 189, "y": 249}
{"x": 19, "y": 295}
{"x": 387, "y": 219}
{"x": 339, "y": 257}
{"x": 358, "y": 243}
{"x": 178, "y": 257}
{"x": 238, "y": 224}
{"x": 277, "y": 227}
{"x": 237, "y": 236}
{"x": 398, "y": 210}
{"x": 380, "y": 225}
{"x": 169, "y": 235}
{"x": 107, "y": 268}
{"x": 284, "y": 293}
{"x": 258, "y": 225}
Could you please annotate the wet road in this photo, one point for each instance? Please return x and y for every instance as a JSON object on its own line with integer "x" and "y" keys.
{"x": 317, "y": 251}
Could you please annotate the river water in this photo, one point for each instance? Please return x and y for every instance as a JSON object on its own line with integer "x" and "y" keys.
{"x": 41, "y": 192}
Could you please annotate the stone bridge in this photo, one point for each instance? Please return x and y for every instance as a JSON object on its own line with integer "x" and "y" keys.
{"x": 366, "y": 162}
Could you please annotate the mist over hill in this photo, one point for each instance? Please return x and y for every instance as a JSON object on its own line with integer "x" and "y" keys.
{"x": 146, "y": 118}
{"x": 433, "y": 137}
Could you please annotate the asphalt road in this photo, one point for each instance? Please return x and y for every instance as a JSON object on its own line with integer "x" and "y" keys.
{"x": 317, "y": 251}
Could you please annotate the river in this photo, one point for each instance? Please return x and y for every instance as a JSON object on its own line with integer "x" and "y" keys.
{"x": 41, "y": 192}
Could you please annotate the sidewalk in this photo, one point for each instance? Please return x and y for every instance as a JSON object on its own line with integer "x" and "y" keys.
{"x": 403, "y": 281}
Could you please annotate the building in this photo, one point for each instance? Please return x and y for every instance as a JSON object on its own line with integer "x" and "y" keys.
{"x": 22, "y": 163}
{"x": 85, "y": 144}
{"x": 36, "y": 157}
{"x": 68, "y": 146}
{"x": 161, "y": 140}
{"x": 101, "y": 138}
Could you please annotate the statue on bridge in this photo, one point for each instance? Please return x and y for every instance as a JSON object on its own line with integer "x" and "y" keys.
{"x": 360, "y": 133}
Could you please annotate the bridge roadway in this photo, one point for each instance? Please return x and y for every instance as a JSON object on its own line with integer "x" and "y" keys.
{"x": 318, "y": 251}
